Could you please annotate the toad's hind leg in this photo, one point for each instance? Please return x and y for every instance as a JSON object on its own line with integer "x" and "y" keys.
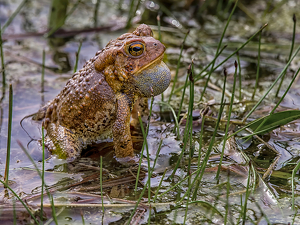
{"x": 65, "y": 144}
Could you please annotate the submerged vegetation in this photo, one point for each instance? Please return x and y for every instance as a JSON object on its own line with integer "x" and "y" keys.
{"x": 221, "y": 145}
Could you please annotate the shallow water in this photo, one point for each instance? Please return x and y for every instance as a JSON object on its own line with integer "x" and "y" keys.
{"x": 23, "y": 49}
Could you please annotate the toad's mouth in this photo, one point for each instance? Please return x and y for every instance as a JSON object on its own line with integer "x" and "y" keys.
{"x": 153, "y": 79}
{"x": 155, "y": 61}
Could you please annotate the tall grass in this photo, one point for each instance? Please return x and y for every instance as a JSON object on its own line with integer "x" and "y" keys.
{"x": 77, "y": 56}
{"x": 290, "y": 55}
{"x": 10, "y": 110}
{"x": 148, "y": 157}
{"x": 13, "y": 15}
{"x": 22, "y": 202}
{"x": 57, "y": 26}
{"x": 182, "y": 96}
{"x": 227, "y": 197}
{"x": 144, "y": 143}
{"x": 43, "y": 175}
{"x": 273, "y": 84}
{"x": 14, "y": 211}
{"x": 200, "y": 171}
{"x": 244, "y": 210}
{"x": 159, "y": 38}
{"x": 178, "y": 65}
{"x": 200, "y": 76}
{"x": 189, "y": 134}
{"x": 2, "y": 60}
{"x": 228, "y": 120}
{"x": 218, "y": 48}
{"x": 258, "y": 65}
{"x": 132, "y": 11}
{"x": 197, "y": 184}
{"x": 43, "y": 181}
{"x": 43, "y": 72}
{"x": 96, "y": 10}
{"x": 240, "y": 76}
{"x": 101, "y": 187}
{"x": 189, "y": 122}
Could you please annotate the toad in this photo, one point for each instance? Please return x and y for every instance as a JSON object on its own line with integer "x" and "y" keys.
{"x": 97, "y": 102}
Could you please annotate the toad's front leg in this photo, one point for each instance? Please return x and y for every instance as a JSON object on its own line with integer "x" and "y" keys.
{"x": 121, "y": 128}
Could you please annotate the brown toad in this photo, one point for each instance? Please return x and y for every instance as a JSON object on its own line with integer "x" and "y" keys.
{"x": 97, "y": 102}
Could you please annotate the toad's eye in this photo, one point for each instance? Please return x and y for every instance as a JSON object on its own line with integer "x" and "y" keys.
{"x": 136, "y": 48}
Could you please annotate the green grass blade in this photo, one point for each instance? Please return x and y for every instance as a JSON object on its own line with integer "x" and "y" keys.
{"x": 77, "y": 56}
{"x": 200, "y": 172}
{"x": 294, "y": 34}
{"x": 259, "y": 127}
{"x": 14, "y": 211}
{"x": 179, "y": 183}
{"x": 23, "y": 203}
{"x": 159, "y": 38}
{"x": 246, "y": 195}
{"x": 96, "y": 10}
{"x": 227, "y": 197}
{"x": 59, "y": 25}
{"x": 82, "y": 219}
{"x": 189, "y": 119}
{"x": 157, "y": 154}
{"x": 191, "y": 108}
{"x": 43, "y": 72}
{"x": 208, "y": 205}
{"x": 40, "y": 174}
{"x": 199, "y": 77}
{"x": 178, "y": 65}
{"x": 43, "y": 175}
{"x": 268, "y": 91}
{"x": 274, "y": 121}
{"x": 238, "y": 49}
{"x": 132, "y": 12}
{"x": 271, "y": 123}
{"x": 2, "y": 60}
{"x": 175, "y": 117}
{"x": 101, "y": 186}
{"x": 294, "y": 217}
{"x": 158, "y": 27}
{"x": 258, "y": 65}
{"x": 218, "y": 48}
{"x": 286, "y": 91}
{"x": 10, "y": 19}
{"x": 190, "y": 134}
{"x": 143, "y": 147}
{"x": 295, "y": 171}
{"x": 199, "y": 158}
{"x": 240, "y": 76}
{"x": 182, "y": 97}
{"x": 159, "y": 185}
{"x": 148, "y": 158}
{"x": 291, "y": 52}
{"x": 137, "y": 203}
{"x": 263, "y": 213}
{"x": 10, "y": 109}
{"x": 228, "y": 120}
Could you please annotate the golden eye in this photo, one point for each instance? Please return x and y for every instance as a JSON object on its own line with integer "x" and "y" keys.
{"x": 136, "y": 48}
